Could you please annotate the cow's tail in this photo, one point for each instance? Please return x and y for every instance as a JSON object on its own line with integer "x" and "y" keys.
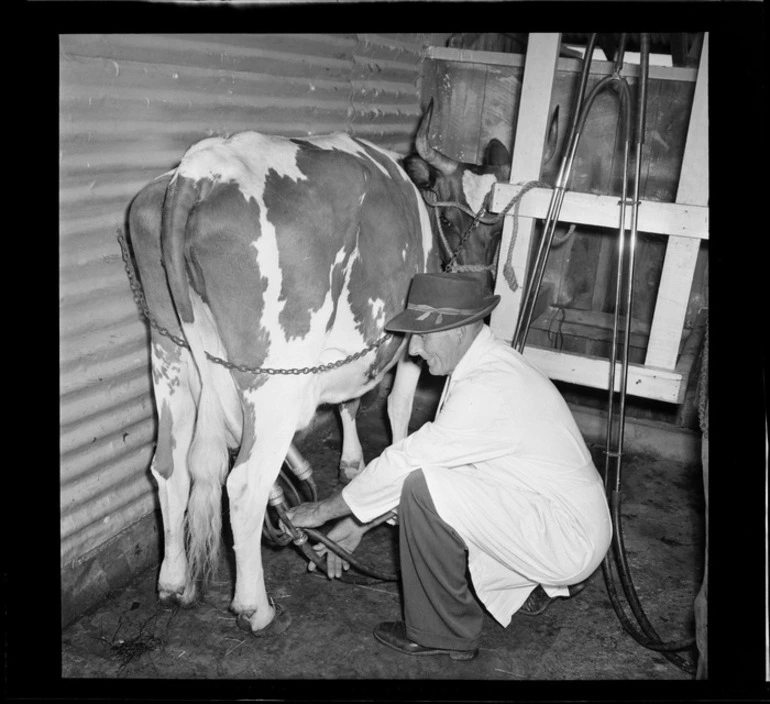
{"x": 208, "y": 458}
{"x": 208, "y": 462}
{"x": 181, "y": 197}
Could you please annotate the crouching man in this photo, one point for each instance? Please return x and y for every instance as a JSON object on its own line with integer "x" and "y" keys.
{"x": 500, "y": 487}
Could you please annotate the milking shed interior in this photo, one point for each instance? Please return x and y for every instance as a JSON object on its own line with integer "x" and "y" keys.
{"x": 130, "y": 104}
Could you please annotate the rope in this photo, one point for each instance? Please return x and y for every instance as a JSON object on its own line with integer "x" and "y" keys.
{"x": 508, "y": 272}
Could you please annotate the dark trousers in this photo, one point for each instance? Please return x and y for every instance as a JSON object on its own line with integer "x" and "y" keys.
{"x": 440, "y": 610}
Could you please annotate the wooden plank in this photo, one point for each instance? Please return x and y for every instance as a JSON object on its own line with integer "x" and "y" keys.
{"x": 456, "y": 128}
{"x": 643, "y": 380}
{"x": 688, "y": 364}
{"x": 685, "y": 220}
{"x": 501, "y": 102}
{"x": 681, "y": 253}
{"x": 590, "y": 319}
{"x": 665, "y": 139}
{"x": 604, "y": 285}
{"x": 534, "y": 106}
{"x": 596, "y": 327}
{"x": 598, "y": 68}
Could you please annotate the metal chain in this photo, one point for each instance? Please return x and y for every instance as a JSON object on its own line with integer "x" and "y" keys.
{"x": 138, "y": 294}
{"x": 136, "y": 289}
{"x": 302, "y": 370}
{"x": 508, "y": 274}
{"x": 476, "y": 218}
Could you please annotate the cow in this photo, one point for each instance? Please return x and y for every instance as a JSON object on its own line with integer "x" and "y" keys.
{"x": 269, "y": 266}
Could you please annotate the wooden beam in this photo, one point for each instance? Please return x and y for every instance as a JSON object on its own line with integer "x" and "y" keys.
{"x": 682, "y": 252}
{"x": 681, "y": 219}
{"x": 644, "y": 381}
{"x": 566, "y": 65}
{"x": 532, "y": 125}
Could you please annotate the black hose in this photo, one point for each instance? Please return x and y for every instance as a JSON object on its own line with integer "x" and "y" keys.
{"x": 299, "y": 536}
{"x": 348, "y": 557}
{"x": 652, "y": 641}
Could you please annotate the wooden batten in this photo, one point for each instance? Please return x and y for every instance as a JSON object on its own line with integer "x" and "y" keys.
{"x": 587, "y": 370}
{"x": 535, "y": 102}
{"x": 682, "y": 253}
{"x": 680, "y": 219}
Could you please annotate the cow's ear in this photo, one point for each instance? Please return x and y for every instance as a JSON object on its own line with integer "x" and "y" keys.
{"x": 497, "y": 155}
{"x": 419, "y": 171}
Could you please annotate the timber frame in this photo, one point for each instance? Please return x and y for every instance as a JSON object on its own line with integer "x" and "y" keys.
{"x": 664, "y": 374}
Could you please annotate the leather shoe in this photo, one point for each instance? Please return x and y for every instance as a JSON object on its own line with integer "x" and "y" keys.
{"x": 393, "y": 634}
{"x": 538, "y": 601}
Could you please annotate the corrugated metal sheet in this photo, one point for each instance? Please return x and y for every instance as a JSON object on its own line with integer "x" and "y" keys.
{"x": 129, "y": 107}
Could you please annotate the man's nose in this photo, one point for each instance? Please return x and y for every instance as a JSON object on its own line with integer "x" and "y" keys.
{"x": 414, "y": 345}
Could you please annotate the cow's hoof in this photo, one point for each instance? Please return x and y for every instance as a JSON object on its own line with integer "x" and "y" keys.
{"x": 348, "y": 470}
{"x": 281, "y": 621}
{"x": 173, "y": 598}
{"x": 169, "y": 600}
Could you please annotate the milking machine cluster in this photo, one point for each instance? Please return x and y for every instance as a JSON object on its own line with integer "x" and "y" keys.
{"x": 647, "y": 636}
{"x": 290, "y": 490}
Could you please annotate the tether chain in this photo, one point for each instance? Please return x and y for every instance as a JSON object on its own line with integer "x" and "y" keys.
{"x": 136, "y": 289}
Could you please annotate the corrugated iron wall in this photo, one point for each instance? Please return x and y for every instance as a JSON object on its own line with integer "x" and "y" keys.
{"x": 129, "y": 107}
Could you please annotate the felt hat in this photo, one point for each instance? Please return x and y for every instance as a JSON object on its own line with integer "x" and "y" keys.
{"x": 443, "y": 301}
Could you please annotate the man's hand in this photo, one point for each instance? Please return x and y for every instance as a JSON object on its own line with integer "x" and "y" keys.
{"x": 307, "y": 515}
{"x": 347, "y": 534}
{"x": 315, "y": 513}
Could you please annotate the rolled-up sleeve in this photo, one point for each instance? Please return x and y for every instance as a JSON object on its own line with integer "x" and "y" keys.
{"x": 469, "y": 428}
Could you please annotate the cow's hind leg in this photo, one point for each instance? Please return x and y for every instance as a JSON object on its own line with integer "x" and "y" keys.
{"x": 401, "y": 398}
{"x": 176, "y": 388}
{"x": 174, "y": 379}
{"x": 352, "y": 460}
{"x": 271, "y": 416}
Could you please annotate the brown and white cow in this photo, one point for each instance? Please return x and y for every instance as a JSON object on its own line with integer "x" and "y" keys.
{"x": 280, "y": 254}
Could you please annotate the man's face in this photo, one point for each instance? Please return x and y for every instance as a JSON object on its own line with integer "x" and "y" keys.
{"x": 441, "y": 350}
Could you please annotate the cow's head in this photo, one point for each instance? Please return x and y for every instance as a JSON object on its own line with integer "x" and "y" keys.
{"x": 472, "y": 234}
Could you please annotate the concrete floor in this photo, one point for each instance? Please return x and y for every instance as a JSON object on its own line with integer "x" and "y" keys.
{"x": 131, "y": 637}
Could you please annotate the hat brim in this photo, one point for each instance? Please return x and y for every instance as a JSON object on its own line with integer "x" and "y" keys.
{"x": 408, "y": 320}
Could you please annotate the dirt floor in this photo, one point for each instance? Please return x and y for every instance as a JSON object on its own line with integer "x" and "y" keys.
{"x": 131, "y": 636}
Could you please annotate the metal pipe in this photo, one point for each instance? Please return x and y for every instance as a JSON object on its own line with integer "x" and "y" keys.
{"x": 625, "y": 108}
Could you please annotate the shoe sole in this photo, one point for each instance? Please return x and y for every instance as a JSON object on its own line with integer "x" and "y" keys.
{"x": 458, "y": 655}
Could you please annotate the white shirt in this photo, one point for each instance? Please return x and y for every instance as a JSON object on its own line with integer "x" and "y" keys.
{"x": 508, "y": 469}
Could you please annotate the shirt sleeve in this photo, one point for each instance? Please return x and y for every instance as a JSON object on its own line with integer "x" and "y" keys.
{"x": 471, "y": 427}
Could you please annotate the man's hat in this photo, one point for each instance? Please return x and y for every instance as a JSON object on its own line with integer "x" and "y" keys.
{"x": 443, "y": 301}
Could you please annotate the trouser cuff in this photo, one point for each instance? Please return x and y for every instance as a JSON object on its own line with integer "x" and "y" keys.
{"x": 446, "y": 642}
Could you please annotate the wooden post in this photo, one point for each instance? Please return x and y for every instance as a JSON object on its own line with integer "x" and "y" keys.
{"x": 682, "y": 252}
{"x": 532, "y": 125}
